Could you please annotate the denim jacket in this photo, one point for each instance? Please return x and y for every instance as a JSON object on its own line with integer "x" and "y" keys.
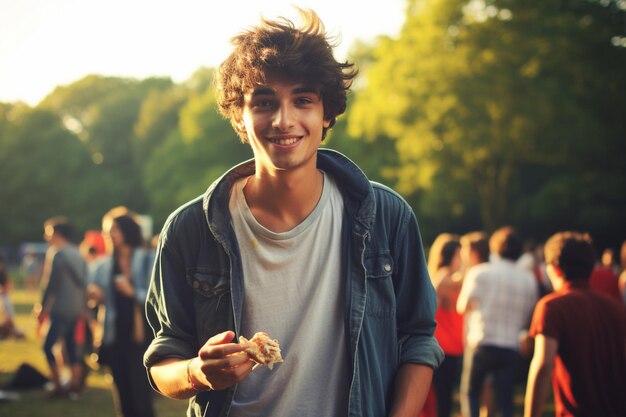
{"x": 197, "y": 286}
{"x": 102, "y": 276}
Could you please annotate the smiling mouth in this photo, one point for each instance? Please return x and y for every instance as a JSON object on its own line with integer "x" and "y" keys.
{"x": 284, "y": 141}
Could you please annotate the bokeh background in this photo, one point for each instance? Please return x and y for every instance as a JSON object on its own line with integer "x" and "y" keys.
{"x": 479, "y": 112}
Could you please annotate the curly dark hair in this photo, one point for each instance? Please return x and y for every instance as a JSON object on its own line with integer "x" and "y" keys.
{"x": 279, "y": 48}
{"x": 573, "y": 253}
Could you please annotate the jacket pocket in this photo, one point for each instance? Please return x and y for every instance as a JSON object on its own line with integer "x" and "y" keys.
{"x": 211, "y": 301}
{"x": 381, "y": 299}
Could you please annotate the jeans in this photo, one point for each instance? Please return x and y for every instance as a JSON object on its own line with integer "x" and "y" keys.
{"x": 61, "y": 328}
{"x": 480, "y": 362}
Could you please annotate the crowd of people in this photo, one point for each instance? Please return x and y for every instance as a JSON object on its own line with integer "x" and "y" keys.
{"x": 500, "y": 301}
{"x": 93, "y": 303}
{"x": 298, "y": 243}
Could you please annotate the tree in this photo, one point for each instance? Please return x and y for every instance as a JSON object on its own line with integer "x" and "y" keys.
{"x": 36, "y": 183}
{"x": 103, "y": 112}
{"x": 476, "y": 94}
{"x": 201, "y": 148}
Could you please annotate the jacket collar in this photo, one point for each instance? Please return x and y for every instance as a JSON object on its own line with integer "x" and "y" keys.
{"x": 354, "y": 185}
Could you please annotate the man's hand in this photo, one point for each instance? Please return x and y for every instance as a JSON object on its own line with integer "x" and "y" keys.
{"x": 220, "y": 363}
{"x": 124, "y": 286}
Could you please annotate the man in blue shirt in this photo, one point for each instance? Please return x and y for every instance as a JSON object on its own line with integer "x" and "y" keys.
{"x": 297, "y": 243}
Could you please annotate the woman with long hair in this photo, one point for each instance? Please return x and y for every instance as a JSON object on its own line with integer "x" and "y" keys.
{"x": 444, "y": 264}
{"x": 119, "y": 281}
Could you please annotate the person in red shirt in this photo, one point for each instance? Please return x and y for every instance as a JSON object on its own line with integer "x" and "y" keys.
{"x": 579, "y": 338}
{"x": 605, "y": 280}
{"x": 444, "y": 263}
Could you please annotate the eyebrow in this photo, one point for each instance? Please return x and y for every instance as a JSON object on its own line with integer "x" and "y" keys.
{"x": 267, "y": 91}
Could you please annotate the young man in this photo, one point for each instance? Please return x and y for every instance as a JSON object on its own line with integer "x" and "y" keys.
{"x": 497, "y": 299}
{"x": 296, "y": 243}
{"x": 64, "y": 301}
{"x": 579, "y": 338}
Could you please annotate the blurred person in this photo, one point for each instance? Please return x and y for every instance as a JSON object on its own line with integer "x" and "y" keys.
{"x": 604, "y": 279}
{"x": 32, "y": 269}
{"x": 579, "y": 338}
{"x": 475, "y": 252}
{"x": 88, "y": 331}
{"x": 63, "y": 303}
{"x": 119, "y": 281}
{"x": 609, "y": 261}
{"x": 297, "y": 243}
{"x": 527, "y": 259}
{"x": 92, "y": 246}
{"x": 497, "y": 299}
{"x": 541, "y": 273}
{"x": 7, "y": 326}
{"x": 444, "y": 263}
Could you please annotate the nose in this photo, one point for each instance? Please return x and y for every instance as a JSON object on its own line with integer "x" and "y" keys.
{"x": 283, "y": 117}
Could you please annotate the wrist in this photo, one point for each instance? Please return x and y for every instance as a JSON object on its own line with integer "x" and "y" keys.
{"x": 193, "y": 382}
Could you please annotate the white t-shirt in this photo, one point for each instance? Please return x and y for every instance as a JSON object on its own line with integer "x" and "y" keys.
{"x": 502, "y": 296}
{"x": 293, "y": 291}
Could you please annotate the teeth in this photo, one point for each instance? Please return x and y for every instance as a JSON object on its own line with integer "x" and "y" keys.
{"x": 284, "y": 142}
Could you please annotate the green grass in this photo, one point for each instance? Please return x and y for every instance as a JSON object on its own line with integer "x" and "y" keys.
{"x": 97, "y": 400}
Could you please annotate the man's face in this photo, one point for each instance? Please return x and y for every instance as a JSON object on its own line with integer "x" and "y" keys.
{"x": 48, "y": 233}
{"x": 283, "y": 122}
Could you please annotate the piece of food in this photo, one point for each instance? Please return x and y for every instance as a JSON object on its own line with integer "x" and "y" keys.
{"x": 262, "y": 349}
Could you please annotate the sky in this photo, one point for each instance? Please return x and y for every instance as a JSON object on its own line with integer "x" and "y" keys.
{"x": 46, "y": 43}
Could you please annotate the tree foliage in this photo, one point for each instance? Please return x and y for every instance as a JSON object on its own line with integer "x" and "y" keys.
{"x": 493, "y": 105}
{"x": 41, "y": 166}
{"x": 481, "y": 112}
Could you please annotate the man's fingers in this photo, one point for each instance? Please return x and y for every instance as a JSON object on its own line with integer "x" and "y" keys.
{"x": 230, "y": 370}
{"x": 224, "y": 337}
{"x": 219, "y": 351}
{"x": 225, "y": 362}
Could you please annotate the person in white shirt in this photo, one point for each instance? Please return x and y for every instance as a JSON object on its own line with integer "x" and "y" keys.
{"x": 497, "y": 299}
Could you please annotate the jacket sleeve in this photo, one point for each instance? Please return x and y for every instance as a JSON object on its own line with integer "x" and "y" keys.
{"x": 169, "y": 303}
{"x": 415, "y": 297}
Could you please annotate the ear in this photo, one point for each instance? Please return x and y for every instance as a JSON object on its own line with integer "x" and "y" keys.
{"x": 326, "y": 123}
{"x": 554, "y": 270}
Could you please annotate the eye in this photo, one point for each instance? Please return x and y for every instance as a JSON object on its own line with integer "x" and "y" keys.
{"x": 262, "y": 103}
{"x": 302, "y": 101}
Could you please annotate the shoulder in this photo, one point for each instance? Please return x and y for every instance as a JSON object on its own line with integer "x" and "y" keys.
{"x": 479, "y": 271}
{"x": 386, "y": 195}
{"x": 184, "y": 220}
{"x": 390, "y": 204}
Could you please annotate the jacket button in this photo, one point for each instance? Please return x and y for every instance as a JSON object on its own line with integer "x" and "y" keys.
{"x": 387, "y": 267}
{"x": 195, "y": 285}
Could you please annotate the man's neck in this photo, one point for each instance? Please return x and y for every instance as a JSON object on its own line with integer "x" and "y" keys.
{"x": 58, "y": 243}
{"x": 282, "y": 200}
